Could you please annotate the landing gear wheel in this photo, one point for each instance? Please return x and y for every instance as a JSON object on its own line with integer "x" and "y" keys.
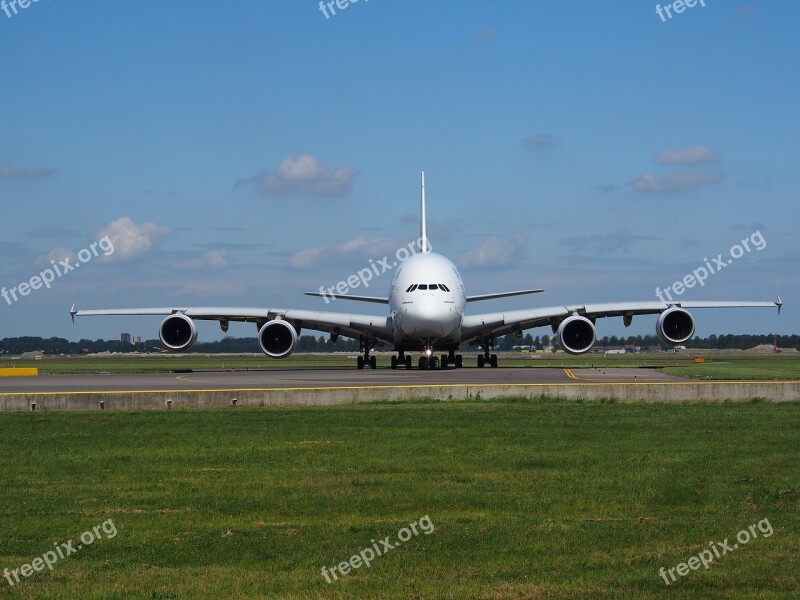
{"x": 394, "y": 361}
{"x": 444, "y": 361}
{"x": 459, "y": 361}
{"x": 493, "y": 361}
{"x": 373, "y": 362}
{"x": 408, "y": 363}
{"x": 423, "y": 363}
{"x": 360, "y": 362}
{"x": 480, "y": 361}
{"x": 434, "y": 363}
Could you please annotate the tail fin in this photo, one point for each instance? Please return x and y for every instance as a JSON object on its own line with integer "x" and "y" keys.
{"x": 423, "y": 234}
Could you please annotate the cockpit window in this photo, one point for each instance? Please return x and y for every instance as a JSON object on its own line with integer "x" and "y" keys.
{"x": 428, "y": 286}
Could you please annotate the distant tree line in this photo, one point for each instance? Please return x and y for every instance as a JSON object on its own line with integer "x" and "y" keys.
{"x": 652, "y": 342}
{"x": 310, "y": 343}
{"x": 306, "y": 343}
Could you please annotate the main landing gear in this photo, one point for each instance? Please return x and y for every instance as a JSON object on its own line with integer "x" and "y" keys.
{"x": 486, "y": 358}
{"x": 366, "y": 359}
{"x": 401, "y": 360}
{"x": 428, "y": 361}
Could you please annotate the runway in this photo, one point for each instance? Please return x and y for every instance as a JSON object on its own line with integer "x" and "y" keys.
{"x": 307, "y": 378}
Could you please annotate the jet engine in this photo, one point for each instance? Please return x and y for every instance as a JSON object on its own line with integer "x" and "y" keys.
{"x": 277, "y": 339}
{"x": 178, "y": 332}
{"x": 675, "y": 326}
{"x": 576, "y": 334}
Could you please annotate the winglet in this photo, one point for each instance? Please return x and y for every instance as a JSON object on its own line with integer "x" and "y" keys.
{"x": 72, "y": 313}
{"x": 423, "y": 234}
{"x": 779, "y": 303}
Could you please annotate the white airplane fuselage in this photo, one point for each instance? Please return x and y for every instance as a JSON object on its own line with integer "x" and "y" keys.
{"x": 427, "y": 303}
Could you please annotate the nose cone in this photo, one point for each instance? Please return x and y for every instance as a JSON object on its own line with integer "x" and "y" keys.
{"x": 431, "y": 318}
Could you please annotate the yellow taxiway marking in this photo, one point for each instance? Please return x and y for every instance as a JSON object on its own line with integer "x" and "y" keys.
{"x": 179, "y": 378}
{"x": 572, "y": 375}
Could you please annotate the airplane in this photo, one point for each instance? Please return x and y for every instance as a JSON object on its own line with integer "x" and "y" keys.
{"x": 427, "y": 313}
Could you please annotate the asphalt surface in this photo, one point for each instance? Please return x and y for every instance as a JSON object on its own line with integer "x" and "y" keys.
{"x": 344, "y": 377}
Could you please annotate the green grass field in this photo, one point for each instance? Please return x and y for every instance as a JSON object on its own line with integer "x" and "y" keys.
{"x": 717, "y": 366}
{"x": 735, "y": 367}
{"x": 529, "y": 499}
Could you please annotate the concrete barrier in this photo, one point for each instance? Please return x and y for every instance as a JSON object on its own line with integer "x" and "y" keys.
{"x": 782, "y": 391}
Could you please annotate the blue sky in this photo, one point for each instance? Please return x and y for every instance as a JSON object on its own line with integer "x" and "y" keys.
{"x": 243, "y": 153}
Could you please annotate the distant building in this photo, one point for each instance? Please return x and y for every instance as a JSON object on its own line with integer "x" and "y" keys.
{"x": 125, "y": 338}
{"x": 137, "y": 339}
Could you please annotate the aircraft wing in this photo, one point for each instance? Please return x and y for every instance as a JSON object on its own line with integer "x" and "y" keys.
{"x": 374, "y": 299}
{"x": 348, "y": 325}
{"x": 502, "y": 323}
{"x": 501, "y": 295}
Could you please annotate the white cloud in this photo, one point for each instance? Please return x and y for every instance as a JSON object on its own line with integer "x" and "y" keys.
{"x": 303, "y": 175}
{"x": 9, "y": 172}
{"x": 131, "y": 239}
{"x": 606, "y": 188}
{"x": 57, "y": 254}
{"x": 486, "y": 35}
{"x": 674, "y": 182}
{"x": 747, "y": 9}
{"x": 205, "y": 287}
{"x": 496, "y": 253}
{"x": 617, "y": 240}
{"x": 213, "y": 260}
{"x": 358, "y": 247}
{"x": 308, "y": 258}
{"x": 443, "y": 231}
{"x": 541, "y": 141}
{"x": 698, "y": 155}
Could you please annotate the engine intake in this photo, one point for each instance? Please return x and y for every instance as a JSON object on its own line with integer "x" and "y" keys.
{"x": 178, "y": 332}
{"x": 675, "y": 326}
{"x": 576, "y": 335}
{"x": 277, "y": 339}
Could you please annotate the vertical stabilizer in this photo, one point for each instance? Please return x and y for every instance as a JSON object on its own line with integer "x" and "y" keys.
{"x": 423, "y": 222}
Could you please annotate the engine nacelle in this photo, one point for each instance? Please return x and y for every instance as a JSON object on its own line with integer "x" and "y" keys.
{"x": 576, "y": 335}
{"x": 178, "y": 332}
{"x": 675, "y": 326}
{"x": 277, "y": 339}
